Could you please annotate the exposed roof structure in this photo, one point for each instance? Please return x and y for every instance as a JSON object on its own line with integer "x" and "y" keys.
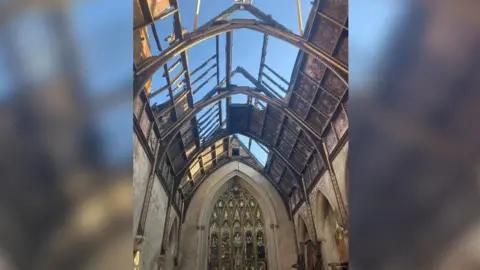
{"x": 290, "y": 123}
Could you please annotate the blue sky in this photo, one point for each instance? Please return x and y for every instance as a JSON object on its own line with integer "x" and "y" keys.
{"x": 247, "y": 44}
{"x": 247, "y": 47}
{"x": 104, "y": 44}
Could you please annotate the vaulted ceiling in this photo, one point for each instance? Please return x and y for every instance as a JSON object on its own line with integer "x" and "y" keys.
{"x": 293, "y": 123}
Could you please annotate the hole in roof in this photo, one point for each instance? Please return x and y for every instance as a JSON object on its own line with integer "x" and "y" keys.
{"x": 239, "y": 99}
{"x": 258, "y": 151}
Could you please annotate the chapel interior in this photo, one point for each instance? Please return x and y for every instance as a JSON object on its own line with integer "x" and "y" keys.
{"x": 235, "y": 167}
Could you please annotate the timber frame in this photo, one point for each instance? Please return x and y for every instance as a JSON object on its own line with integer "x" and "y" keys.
{"x": 300, "y": 123}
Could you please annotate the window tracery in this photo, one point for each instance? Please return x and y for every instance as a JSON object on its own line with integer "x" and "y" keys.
{"x": 242, "y": 241}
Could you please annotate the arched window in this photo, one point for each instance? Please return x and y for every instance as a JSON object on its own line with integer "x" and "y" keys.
{"x": 236, "y": 235}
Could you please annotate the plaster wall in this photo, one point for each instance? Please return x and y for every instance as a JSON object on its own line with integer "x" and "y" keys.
{"x": 141, "y": 168}
{"x": 154, "y": 226}
{"x": 194, "y": 243}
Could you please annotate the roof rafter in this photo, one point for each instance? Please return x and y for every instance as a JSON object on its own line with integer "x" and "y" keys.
{"x": 288, "y": 132}
{"x": 146, "y": 72}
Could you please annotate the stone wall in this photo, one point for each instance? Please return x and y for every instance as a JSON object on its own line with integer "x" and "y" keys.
{"x": 325, "y": 184}
{"x": 150, "y": 248}
{"x": 325, "y": 209}
{"x": 141, "y": 169}
{"x": 154, "y": 226}
{"x": 280, "y": 241}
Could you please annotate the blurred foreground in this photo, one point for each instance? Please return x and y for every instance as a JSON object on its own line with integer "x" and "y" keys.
{"x": 415, "y": 140}
{"x": 65, "y": 91}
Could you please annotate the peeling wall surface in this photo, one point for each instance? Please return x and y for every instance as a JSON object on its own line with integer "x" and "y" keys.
{"x": 141, "y": 168}
{"x": 154, "y": 226}
{"x": 194, "y": 243}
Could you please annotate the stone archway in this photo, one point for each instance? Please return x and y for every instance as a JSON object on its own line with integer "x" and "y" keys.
{"x": 194, "y": 242}
{"x": 321, "y": 208}
{"x": 304, "y": 241}
{"x": 326, "y": 222}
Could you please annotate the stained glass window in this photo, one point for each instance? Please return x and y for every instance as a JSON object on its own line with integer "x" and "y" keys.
{"x": 236, "y": 233}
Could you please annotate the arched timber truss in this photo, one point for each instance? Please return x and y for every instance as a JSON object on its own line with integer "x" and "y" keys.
{"x": 144, "y": 74}
{"x": 299, "y": 131}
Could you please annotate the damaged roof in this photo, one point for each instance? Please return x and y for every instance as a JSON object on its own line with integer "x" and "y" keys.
{"x": 273, "y": 124}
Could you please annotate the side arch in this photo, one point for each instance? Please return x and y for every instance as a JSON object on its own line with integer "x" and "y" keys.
{"x": 171, "y": 245}
{"x": 303, "y": 234}
{"x": 329, "y": 246}
{"x": 302, "y": 217}
{"x": 194, "y": 242}
{"x": 221, "y": 136}
{"x": 305, "y": 240}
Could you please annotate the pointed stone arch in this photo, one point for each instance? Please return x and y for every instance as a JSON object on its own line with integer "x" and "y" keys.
{"x": 194, "y": 242}
{"x": 303, "y": 214}
{"x": 302, "y": 229}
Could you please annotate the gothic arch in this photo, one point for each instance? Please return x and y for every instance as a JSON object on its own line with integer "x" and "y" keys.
{"x": 327, "y": 217}
{"x": 201, "y": 208}
{"x": 302, "y": 216}
{"x": 321, "y": 209}
{"x": 302, "y": 230}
